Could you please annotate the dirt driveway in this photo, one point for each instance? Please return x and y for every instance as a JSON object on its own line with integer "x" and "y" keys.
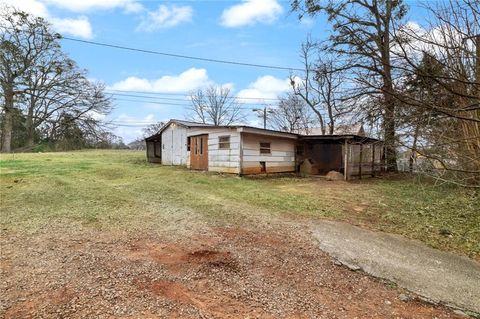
{"x": 223, "y": 272}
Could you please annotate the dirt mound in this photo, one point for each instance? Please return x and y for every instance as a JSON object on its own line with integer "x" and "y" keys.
{"x": 176, "y": 256}
{"x": 334, "y": 176}
{"x": 213, "y": 258}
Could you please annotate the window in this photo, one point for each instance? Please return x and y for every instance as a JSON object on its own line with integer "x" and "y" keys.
{"x": 265, "y": 148}
{"x": 224, "y": 142}
{"x": 300, "y": 150}
{"x": 188, "y": 144}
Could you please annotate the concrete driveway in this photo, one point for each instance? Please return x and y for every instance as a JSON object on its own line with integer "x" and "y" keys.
{"x": 438, "y": 276}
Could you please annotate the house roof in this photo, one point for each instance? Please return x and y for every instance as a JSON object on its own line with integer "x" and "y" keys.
{"x": 352, "y": 132}
{"x": 342, "y": 129}
{"x": 184, "y": 123}
{"x": 349, "y": 129}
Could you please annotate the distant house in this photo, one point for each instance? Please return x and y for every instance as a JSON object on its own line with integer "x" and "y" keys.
{"x": 245, "y": 150}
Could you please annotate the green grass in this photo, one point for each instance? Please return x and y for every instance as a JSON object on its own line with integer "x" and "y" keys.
{"x": 444, "y": 216}
{"x": 118, "y": 190}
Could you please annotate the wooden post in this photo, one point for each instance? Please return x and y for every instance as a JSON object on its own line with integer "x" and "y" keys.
{"x": 373, "y": 159}
{"x": 360, "y": 161}
{"x": 345, "y": 162}
{"x": 240, "y": 172}
{"x": 383, "y": 159}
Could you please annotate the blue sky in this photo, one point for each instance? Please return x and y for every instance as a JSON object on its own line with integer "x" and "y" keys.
{"x": 253, "y": 31}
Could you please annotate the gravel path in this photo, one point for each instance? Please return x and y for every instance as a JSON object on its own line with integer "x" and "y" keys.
{"x": 436, "y": 275}
{"x": 266, "y": 271}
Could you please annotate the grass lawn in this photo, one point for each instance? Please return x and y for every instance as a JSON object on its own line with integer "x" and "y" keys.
{"x": 118, "y": 190}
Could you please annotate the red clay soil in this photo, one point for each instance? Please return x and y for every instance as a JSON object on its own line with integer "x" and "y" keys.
{"x": 227, "y": 273}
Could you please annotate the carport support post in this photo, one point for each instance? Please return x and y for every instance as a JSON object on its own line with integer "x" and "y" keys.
{"x": 345, "y": 161}
{"x": 373, "y": 159}
{"x": 360, "y": 160}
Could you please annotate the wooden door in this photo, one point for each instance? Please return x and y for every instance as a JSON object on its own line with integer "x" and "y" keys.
{"x": 199, "y": 152}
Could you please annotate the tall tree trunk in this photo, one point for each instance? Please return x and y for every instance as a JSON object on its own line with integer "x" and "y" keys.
{"x": 389, "y": 115}
{"x": 331, "y": 126}
{"x": 389, "y": 132}
{"x": 413, "y": 153}
{"x": 8, "y": 119}
{"x": 29, "y": 123}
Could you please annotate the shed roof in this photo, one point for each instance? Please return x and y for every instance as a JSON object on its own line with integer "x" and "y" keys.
{"x": 184, "y": 123}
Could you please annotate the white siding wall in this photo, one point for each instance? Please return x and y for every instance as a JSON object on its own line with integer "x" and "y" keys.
{"x": 220, "y": 160}
{"x": 223, "y": 160}
{"x": 174, "y": 145}
{"x": 281, "y": 159}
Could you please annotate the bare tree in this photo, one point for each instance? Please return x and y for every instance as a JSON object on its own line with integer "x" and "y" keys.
{"x": 24, "y": 41}
{"x": 361, "y": 38}
{"x": 152, "y": 129}
{"x": 39, "y": 80}
{"x": 291, "y": 115}
{"x": 444, "y": 57}
{"x": 320, "y": 86}
{"x": 306, "y": 86}
{"x": 215, "y": 105}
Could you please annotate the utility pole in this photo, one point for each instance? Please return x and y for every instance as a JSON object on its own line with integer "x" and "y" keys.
{"x": 265, "y": 110}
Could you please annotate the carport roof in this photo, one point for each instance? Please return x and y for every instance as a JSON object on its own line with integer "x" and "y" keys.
{"x": 339, "y": 138}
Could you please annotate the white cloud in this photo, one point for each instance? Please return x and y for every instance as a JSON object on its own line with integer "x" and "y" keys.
{"x": 188, "y": 80}
{"x": 90, "y": 5}
{"x": 250, "y": 12}
{"x": 264, "y": 87}
{"x": 307, "y": 22}
{"x": 34, "y": 7}
{"x": 96, "y": 116}
{"x": 130, "y": 128}
{"x": 436, "y": 41}
{"x": 79, "y": 27}
{"x": 133, "y": 7}
{"x": 165, "y": 17}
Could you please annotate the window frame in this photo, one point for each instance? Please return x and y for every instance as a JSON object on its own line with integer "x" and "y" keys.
{"x": 222, "y": 145}
{"x": 264, "y": 150}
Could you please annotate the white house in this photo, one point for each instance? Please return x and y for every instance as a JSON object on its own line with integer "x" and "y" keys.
{"x": 229, "y": 149}
{"x": 244, "y": 150}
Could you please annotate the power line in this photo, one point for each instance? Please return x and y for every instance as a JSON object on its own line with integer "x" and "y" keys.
{"x": 159, "y": 98}
{"x": 175, "y": 55}
{"x": 150, "y": 102}
{"x": 172, "y": 104}
{"x": 133, "y": 125}
{"x": 187, "y": 95}
{"x": 169, "y": 104}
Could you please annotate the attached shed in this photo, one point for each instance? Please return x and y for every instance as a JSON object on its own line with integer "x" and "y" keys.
{"x": 154, "y": 148}
{"x": 172, "y": 140}
{"x": 351, "y": 155}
